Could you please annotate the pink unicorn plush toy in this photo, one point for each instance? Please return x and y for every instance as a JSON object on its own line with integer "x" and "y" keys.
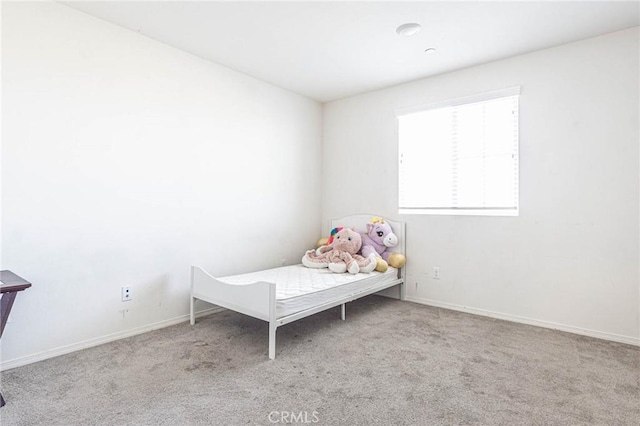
{"x": 341, "y": 254}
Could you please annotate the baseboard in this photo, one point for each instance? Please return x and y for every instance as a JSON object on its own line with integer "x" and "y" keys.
{"x": 529, "y": 321}
{"x": 85, "y": 344}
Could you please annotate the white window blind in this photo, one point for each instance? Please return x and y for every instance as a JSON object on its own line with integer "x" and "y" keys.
{"x": 461, "y": 156}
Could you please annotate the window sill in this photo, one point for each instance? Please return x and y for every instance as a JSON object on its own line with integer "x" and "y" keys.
{"x": 461, "y": 212}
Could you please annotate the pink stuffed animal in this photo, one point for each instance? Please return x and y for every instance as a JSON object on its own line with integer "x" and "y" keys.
{"x": 340, "y": 255}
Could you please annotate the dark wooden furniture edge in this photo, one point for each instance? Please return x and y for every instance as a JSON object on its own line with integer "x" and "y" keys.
{"x": 10, "y": 285}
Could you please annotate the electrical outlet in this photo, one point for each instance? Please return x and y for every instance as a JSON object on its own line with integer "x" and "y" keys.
{"x": 436, "y": 272}
{"x": 126, "y": 293}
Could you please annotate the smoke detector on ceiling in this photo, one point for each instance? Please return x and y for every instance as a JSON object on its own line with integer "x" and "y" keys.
{"x": 408, "y": 30}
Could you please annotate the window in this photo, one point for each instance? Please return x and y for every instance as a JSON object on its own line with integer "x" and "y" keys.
{"x": 460, "y": 156}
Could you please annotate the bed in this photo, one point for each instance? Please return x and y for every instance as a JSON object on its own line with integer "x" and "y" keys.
{"x": 289, "y": 293}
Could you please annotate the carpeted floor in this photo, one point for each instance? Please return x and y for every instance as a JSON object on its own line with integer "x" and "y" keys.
{"x": 389, "y": 363}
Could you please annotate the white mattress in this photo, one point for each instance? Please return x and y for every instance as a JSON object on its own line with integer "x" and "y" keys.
{"x": 299, "y": 288}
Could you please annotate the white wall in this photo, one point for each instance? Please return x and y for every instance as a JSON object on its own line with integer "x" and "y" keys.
{"x": 1, "y": 131}
{"x": 570, "y": 260}
{"x": 124, "y": 161}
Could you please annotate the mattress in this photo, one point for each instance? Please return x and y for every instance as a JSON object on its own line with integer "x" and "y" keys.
{"x": 299, "y": 288}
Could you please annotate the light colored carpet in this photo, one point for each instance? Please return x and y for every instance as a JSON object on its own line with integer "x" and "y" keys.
{"x": 389, "y": 363}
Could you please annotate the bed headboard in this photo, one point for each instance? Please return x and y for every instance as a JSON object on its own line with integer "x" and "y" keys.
{"x": 359, "y": 222}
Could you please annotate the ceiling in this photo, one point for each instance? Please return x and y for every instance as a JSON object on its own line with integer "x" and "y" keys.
{"x": 331, "y": 50}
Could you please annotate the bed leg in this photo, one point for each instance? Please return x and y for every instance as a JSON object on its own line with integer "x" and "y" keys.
{"x": 343, "y": 311}
{"x": 192, "y": 314}
{"x": 272, "y": 340}
{"x": 273, "y": 325}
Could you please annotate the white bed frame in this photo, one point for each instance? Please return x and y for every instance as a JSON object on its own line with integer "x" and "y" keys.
{"x": 258, "y": 299}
